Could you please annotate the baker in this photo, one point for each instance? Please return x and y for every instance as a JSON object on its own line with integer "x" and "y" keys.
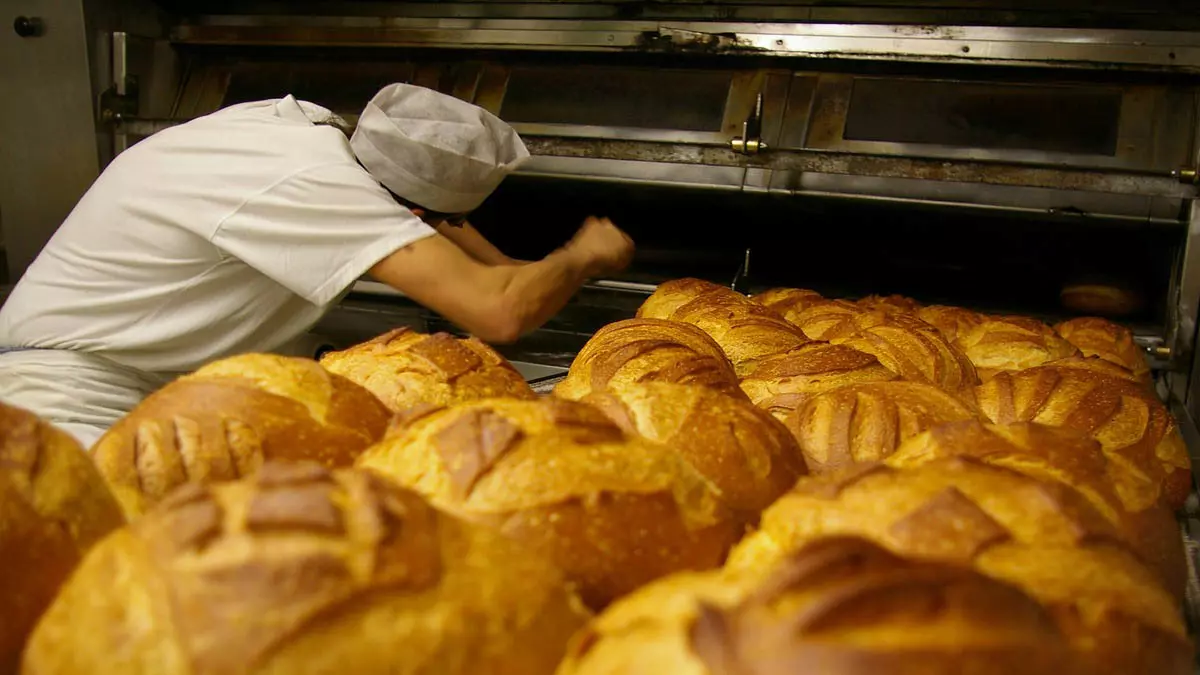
{"x": 237, "y": 231}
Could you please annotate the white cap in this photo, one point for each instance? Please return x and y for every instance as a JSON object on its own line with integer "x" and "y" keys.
{"x": 435, "y": 150}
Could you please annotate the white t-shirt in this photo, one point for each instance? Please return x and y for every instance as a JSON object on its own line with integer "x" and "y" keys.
{"x": 232, "y": 233}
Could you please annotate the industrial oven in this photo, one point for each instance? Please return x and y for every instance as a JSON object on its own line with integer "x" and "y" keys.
{"x": 994, "y": 155}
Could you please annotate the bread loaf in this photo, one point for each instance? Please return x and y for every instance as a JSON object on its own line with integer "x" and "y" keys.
{"x": 747, "y": 454}
{"x": 895, "y": 304}
{"x": 779, "y": 384}
{"x": 745, "y": 330}
{"x": 788, "y": 302}
{"x": 224, "y": 420}
{"x": 1063, "y": 456}
{"x": 648, "y": 350}
{"x": 839, "y": 606}
{"x": 830, "y": 319}
{"x": 405, "y": 368}
{"x": 1101, "y": 298}
{"x": 1011, "y": 343}
{"x": 1106, "y": 340}
{"x": 1099, "y": 366}
{"x": 53, "y": 507}
{"x": 866, "y": 422}
{"x": 297, "y": 570}
{"x": 915, "y": 351}
{"x": 1135, "y": 429}
{"x": 950, "y": 321}
{"x": 1041, "y": 537}
{"x": 614, "y": 511}
{"x": 671, "y": 295}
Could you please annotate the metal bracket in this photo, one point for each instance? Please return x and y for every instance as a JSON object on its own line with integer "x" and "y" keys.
{"x": 750, "y": 142}
{"x": 1187, "y": 175}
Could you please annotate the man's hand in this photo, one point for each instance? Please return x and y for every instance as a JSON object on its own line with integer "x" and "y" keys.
{"x": 601, "y": 246}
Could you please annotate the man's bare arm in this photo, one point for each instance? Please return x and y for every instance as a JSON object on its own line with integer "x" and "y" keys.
{"x": 476, "y": 245}
{"x": 500, "y": 303}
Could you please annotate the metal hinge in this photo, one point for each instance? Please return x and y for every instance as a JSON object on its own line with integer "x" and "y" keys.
{"x": 750, "y": 142}
{"x": 1187, "y": 175}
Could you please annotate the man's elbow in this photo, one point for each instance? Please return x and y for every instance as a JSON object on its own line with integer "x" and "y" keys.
{"x": 499, "y": 325}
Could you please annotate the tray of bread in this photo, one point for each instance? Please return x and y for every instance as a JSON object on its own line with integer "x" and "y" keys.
{"x": 722, "y": 485}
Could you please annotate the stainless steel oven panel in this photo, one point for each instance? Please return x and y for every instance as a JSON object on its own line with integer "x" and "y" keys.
{"x": 1067, "y": 203}
{"x": 488, "y": 86}
{"x": 1149, "y": 118}
{"x": 1053, "y": 47}
{"x": 619, "y": 133}
{"x": 654, "y": 173}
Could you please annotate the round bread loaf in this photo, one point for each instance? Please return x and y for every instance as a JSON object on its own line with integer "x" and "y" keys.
{"x": 788, "y": 302}
{"x": 53, "y": 507}
{"x": 1101, "y": 298}
{"x": 224, "y": 420}
{"x": 1135, "y": 429}
{"x": 779, "y": 384}
{"x": 405, "y": 368}
{"x": 614, "y": 511}
{"x": 895, "y": 304}
{"x": 297, "y": 570}
{"x": 1106, "y": 340}
{"x": 831, "y": 318}
{"x": 1098, "y": 365}
{"x": 1041, "y": 537}
{"x": 648, "y": 350}
{"x": 746, "y": 331}
{"x": 671, "y": 295}
{"x": 866, "y": 422}
{"x": 950, "y": 321}
{"x": 1064, "y": 456}
{"x": 838, "y": 606}
{"x": 915, "y": 351}
{"x": 1012, "y": 343}
{"x": 747, "y": 454}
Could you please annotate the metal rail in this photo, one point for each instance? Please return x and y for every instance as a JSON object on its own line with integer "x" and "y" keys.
{"x": 1013, "y": 174}
{"x": 1055, "y": 47}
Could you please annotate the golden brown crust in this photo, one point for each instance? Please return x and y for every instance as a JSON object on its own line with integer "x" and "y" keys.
{"x": 1064, "y": 456}
{"x": 648, "y": 350}
{"x": 839, "y": 606}
{"x": 1102, "y": 299}
{"x": 779, "y": 384}
{"x": 1134, "y": 428}
{"x": 405, "y": 368}
{"x": 1106, "y": 340}
{"x": 53, "y": 507}
{"x": 260, "y": 575}
{"x": 1044, "y": 538}
{"x": 614, "y": 511}
{"x": 671, "y": 295}
{"x": 745, "y": 331}
{"x": 1000, "y": 343}
{"x": 950, "y": 321}
{"x": 912, "y": 349}
{"x": 1100, "y": 366}
{"x": 224, "y": 420}
{"x": 788, "y": 302}
{"x": 867, "y": 422}
{"x": 747, "y": 454}
{"x": 895, "y": 304}
{"x": 831, "y": 318}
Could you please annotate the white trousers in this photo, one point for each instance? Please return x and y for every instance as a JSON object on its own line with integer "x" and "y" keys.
{"x": 81, "y": 394}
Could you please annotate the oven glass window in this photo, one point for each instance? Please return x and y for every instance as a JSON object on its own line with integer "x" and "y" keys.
{"x": 617, "y": 97}
{"x": 1076, "y": 120}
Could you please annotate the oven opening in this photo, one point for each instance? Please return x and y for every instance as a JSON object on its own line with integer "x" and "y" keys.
{"x": 990, "y": 260}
